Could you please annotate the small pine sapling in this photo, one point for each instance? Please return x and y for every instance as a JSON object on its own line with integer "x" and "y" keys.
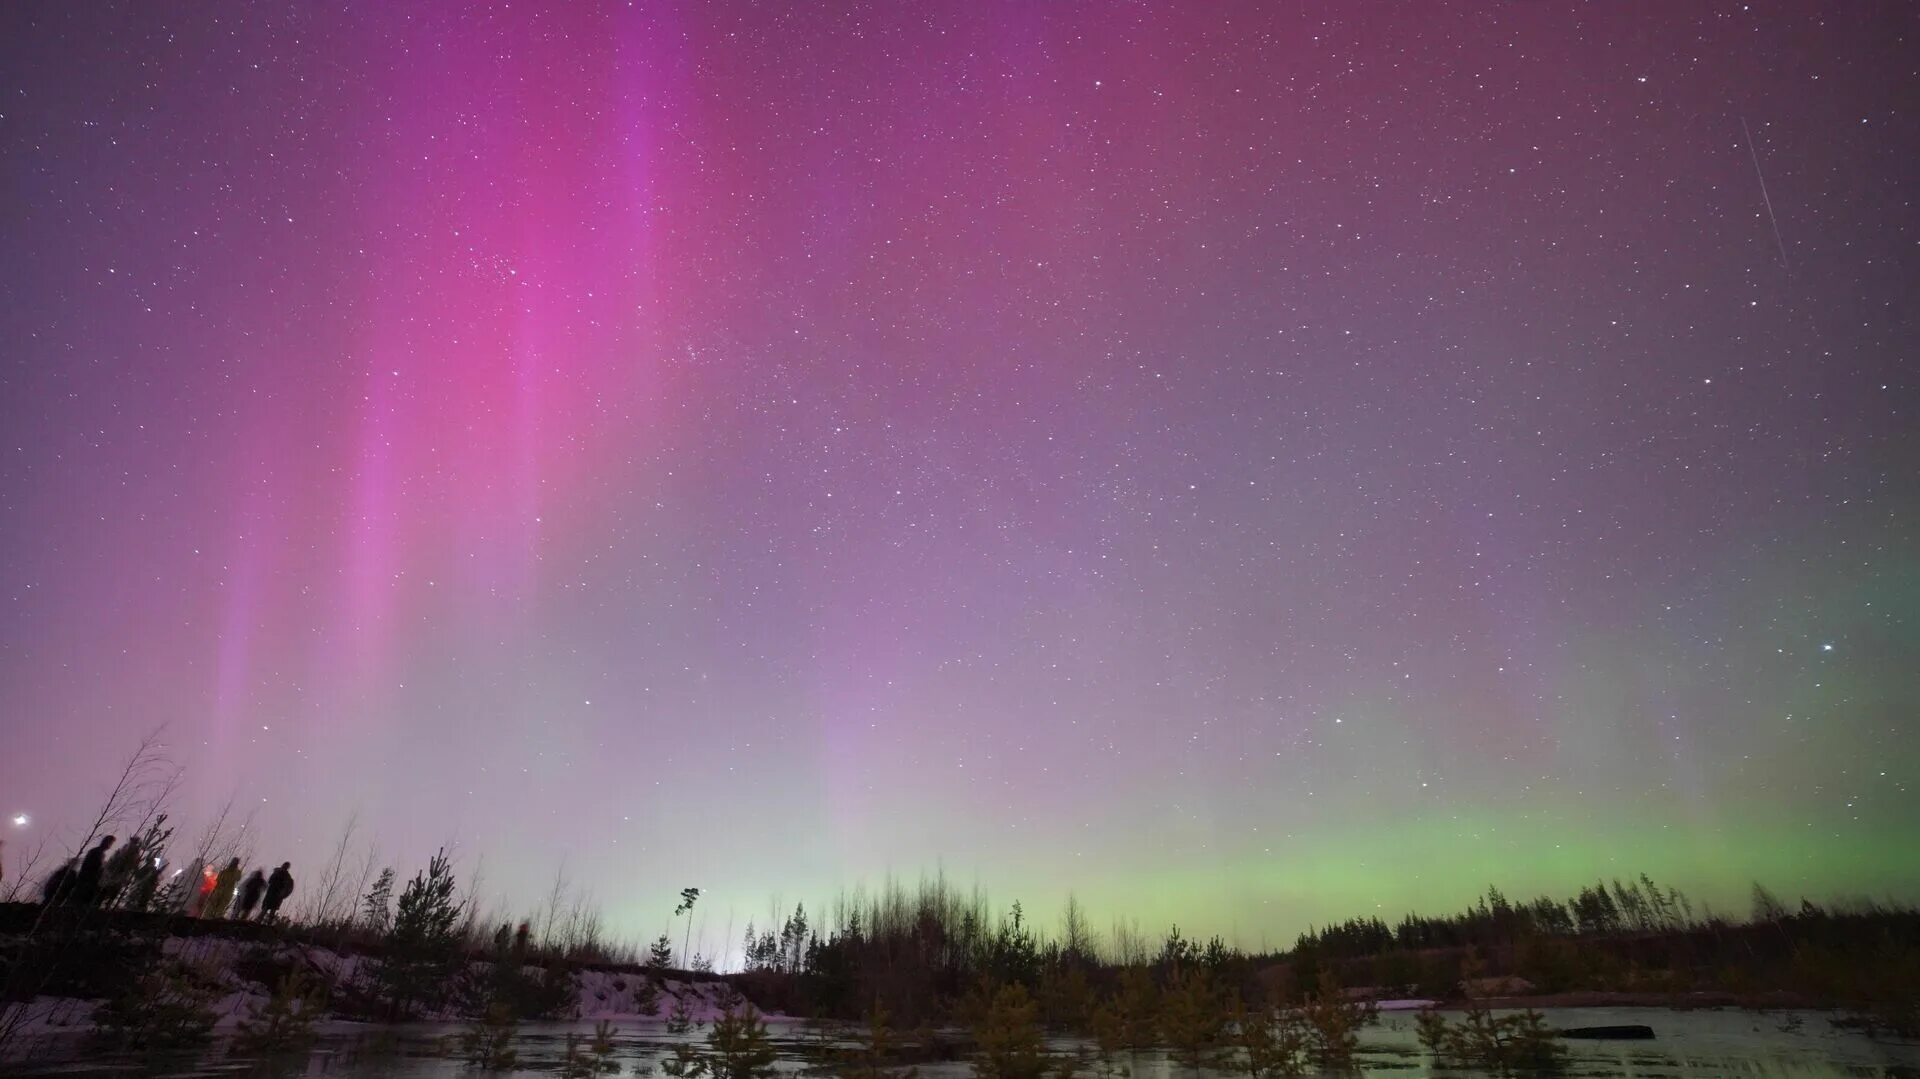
{"x": 1269, "y": 1045}
{"x": 283, "y": 1023}
{"x": 1521, "y": 1041}
{"x": 687, "y": 1062}
{"x": 167, "y": 1010}
{"x": 585, "y": 1058}
{"x": 488, "y": 1043}
{"x": 1190, "y": 1019}
{"x": 876, "y": 1050}
{"x": 740, "y": 1046}
{"x": 1009, "y": 1039}
{"x": 680, "y": 1019}
{"x": 660, "y": 954}
{"x": 1333, "y": 1025}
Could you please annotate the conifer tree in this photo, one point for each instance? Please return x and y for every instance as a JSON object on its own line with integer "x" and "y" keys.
{"x": 1518, "y": 1042}
{"x": 1127, "y": 1020}
{"x": 876, "y": 1049}
{"x": 1190, "y": 1019}
{"x": 660, "y": 955}
{"x": 1066, "y": 998}
{"x": 1009, "y": 1038}
{"x": 1270, "y": 1045}
{"x": 376, "y": 908}
{"x": 740, "y": 1046}
{"x": 680, "y": 1018}
{"x": 646, "y": 997}
{"x": 793, "y": 941}
{"x": 488, "y": 1043}
{"x": 423, "y": 947}
{"x": 1333, "y": 1025}
{"x": 688, "y": 897}
{"x": 283, "y": 1023}
{"x": 587, "y": 1058}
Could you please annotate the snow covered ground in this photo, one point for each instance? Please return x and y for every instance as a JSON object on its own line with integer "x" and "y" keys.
{"x": 599, "y": 994}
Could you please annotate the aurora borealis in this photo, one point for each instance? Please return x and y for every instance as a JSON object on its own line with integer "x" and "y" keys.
{"x": 1245, "y": 463}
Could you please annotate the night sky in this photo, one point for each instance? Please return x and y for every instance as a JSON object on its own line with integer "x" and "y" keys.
{"x": 1244, "y": 463}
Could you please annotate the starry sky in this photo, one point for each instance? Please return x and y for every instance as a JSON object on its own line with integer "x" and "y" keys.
{"x": 1244, "y": 463}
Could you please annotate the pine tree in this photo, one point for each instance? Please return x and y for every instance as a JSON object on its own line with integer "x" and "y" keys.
{"x": 1505, "y": 1044}
{"x": 1126, "y": 1021}
{"x": 876, "y": 1049}
{"x": 376, "y": 909}
{"x": 1216, "y": 956}
{"x": 660, "y": 955}
{"x": 169, "y": 1009}
{"x": 1013, "y": 955}
{"x": 585, "y": 1059}
{"x": 1333, "y": 1025}
{"x": 740, "y": 1046}
{"x": 793, "y": 940}
{"x": 646, "y": 997}
{"x": 687, "y": 1062}
{"x": 488, "y": 1043}
{"x": 1065, "y": 997}
{"x": 688, "y": 897}
{"x": 1269, "y": 1045}
{"x": 283, "y": 1023}
{"x": 143, "y": 879}
{"x": 1190, "y": 1019}
{"x": 423, "y": 947}
{"x": 1009, "y": 1038}
{"x": 680, "y": 1019}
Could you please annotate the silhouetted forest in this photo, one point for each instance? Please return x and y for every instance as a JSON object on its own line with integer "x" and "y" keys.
{"x": 371, "y": 943}
{"x": 922, "y": 951}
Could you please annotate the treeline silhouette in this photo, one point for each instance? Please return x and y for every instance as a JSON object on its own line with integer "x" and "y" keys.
{"x": 934, "y": 953}
{"x": 922, "y": 950}
{"x": 1636, "y": 906}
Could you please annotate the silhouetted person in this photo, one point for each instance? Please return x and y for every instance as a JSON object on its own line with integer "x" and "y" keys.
{"x": 86, "y": 882}
{"x": 500, "y": 938}
{"x": 223, "y": 887}
{"x": 59, "y": 883}
{"x": 205, "y": 877}
{"x": 251, "y": 890}
{"x": 188, "y": 892}
{"x": 279, "y": 887}
{"x": 520, "y": 939}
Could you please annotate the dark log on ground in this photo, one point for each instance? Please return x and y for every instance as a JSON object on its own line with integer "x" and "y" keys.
{"x": 1627, "y": 1032}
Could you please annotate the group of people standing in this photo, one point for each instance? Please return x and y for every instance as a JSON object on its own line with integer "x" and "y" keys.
{"x": 104, "y": 877}
{"x": 224, "y": 894}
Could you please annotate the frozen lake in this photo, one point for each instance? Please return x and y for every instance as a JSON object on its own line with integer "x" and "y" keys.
{"x": 1687, "y": 1044}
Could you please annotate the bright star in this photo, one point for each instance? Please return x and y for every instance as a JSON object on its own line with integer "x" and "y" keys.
{"x": 21, "y": 820}
{"x": 1826, "y": 648}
